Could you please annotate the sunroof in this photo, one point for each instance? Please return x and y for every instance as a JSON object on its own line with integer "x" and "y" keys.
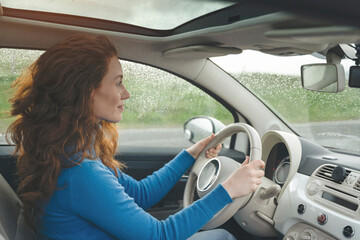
{"x": 154, "y": 14}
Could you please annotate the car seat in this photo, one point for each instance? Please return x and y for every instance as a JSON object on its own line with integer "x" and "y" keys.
{"x": 12, "y": 221}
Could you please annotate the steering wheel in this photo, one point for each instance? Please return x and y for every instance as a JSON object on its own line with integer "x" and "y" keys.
{"x": 206, "y": 174}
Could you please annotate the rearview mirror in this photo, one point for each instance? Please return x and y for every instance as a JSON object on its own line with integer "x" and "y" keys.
{"x": 323, "y": 77}
{"x": 354, "y": 77}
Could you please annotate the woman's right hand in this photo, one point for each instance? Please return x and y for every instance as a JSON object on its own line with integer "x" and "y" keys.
{"x": 245, "y": 179}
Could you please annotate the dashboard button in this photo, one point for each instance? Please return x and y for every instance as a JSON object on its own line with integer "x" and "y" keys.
{"x": 301, "y": 208}
{"x": 307, "y": 235}
{"x": 322, "y": 219}
{"x": 348, "y": 231}
{"x": 313, "y": 188}
{"x": 290, "y": 238}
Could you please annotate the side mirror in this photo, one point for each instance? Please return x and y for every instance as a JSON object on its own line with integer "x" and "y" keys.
{"x": 323, "y": 77}
{"x": 198, "y": 128}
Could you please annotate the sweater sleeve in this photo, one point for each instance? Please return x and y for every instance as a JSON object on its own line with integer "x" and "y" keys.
{"x": 97, "y": 196}
{"x": 153, "y": 188}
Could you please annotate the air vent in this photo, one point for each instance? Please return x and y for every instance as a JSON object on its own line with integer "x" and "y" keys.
{"x": 357, "y": 185}
{"x": 326, "y": 173}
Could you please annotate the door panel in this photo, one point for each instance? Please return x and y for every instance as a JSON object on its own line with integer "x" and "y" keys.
{"x": 140, "y": 162}
{"x": 8, "y": 165}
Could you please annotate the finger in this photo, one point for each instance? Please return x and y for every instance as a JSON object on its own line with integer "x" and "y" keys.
{"x": 260, "y": 173}
{"x": 246, "y": 161}
{"x": 258, "y": 164}
{"x": 208, "y": 155}
{"x": 258, "y": 181}
{"x": 207, "y": 140}
{"x": 213, "y": 151}
{"x": 211, "y": 154}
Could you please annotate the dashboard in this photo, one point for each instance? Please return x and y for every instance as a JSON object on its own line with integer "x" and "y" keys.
{"x": 320, "y": 189}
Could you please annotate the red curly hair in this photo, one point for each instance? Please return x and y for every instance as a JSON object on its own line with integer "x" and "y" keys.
{"x": 55, "y": 117}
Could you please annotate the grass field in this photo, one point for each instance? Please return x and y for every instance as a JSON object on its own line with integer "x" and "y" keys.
{"x": 157, "y": 98}
{"x": 285, "y": 95}
{"x": 161, "y": 99}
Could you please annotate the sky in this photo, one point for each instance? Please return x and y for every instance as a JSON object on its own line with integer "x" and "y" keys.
{"x": 252, "y": 61}
{"x": 157, "y": 14}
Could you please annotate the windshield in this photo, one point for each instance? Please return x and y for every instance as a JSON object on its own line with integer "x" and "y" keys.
{"x": 330, "y": 119}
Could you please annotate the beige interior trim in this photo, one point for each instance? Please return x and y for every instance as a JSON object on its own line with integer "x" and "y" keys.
{"x": 200, "y": 52}
{"x": 329, "y": 34}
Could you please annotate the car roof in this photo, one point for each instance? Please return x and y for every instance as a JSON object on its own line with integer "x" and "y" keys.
{"x": 230, "y": 27}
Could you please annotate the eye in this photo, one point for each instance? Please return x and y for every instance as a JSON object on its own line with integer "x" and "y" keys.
{"x": 119, "y": 83}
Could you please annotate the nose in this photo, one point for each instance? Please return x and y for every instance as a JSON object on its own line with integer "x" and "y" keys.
{"x": 125, "y": 94}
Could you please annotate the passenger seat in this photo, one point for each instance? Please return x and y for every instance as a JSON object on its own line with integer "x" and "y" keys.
{"x": 12, "y": 221}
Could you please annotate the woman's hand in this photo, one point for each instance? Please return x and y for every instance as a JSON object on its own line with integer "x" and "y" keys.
{"x": 196, "y": 149}
{"x": 245, "y": 179}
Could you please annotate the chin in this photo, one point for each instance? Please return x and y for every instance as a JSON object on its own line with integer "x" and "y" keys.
{"x": 113, "y": 120}
{"x": 117, "y": 119}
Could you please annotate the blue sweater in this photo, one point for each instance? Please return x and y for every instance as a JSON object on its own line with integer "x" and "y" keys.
{"x": 92, "y": 203}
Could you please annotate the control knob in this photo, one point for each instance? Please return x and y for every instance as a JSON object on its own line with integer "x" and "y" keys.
{"x": 348, "y": 231}
{"x": 339, "y": 174}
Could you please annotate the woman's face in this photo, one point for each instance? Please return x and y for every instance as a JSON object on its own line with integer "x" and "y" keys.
{"x": 110, "y": 95}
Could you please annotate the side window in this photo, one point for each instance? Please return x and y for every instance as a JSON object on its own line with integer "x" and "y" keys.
{"x": 159, "y": 105}
{"x": 12, "y": 62}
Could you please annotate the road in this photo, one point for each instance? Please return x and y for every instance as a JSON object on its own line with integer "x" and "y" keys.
{"x": 343, "y": 135}
{"x": 172, "y": 137}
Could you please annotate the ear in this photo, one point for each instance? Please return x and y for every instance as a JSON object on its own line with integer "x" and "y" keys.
{"x": 93, "y": 94}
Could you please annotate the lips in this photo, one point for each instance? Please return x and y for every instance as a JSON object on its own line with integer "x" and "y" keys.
{"x": 121, "y": 107}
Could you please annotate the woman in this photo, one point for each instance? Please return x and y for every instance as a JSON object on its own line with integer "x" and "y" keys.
{"x": 65, "y": 136}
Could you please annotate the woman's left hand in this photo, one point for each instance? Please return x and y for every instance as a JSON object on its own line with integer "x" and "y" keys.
{"x": 196, "y": 149}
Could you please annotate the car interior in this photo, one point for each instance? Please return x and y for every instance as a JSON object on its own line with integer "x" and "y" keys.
{"x": 311, "y": 188}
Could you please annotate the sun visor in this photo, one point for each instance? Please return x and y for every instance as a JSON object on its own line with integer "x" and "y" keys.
{"x": 200, "y": 52}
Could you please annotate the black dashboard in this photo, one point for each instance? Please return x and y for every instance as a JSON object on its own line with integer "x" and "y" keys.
{"x": 278, "y": 164}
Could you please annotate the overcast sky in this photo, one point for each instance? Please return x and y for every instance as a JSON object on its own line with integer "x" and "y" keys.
{"x": 158, "y": 14}
{"x": 252, "y": 61}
